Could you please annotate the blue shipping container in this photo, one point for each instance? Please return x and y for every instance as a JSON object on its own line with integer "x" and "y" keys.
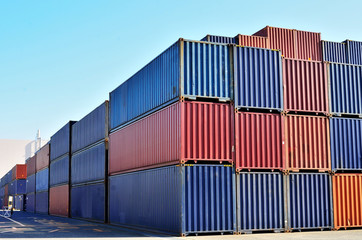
{"x": 59, "y": 171}
{"x": 346, "y": 143}
{"x": 90, "y": 129}
{"x": 19, "y": 202}
{"x": 30, "y": 183}
{"x": 354, "y": 49}
{"x": 30, "y": 203}
{"x": 17, "y": 187}
{"x": 42, "y": 180}
{"x": 219, "y": 39}
{"x": 175, "y": 199}
{"x": 2, "y": 191}
{"x": 258, "y": 81}
{"x": 260, "y": 201}
{"x": 334, "y": 52}
{"x": 88, "y": 202}
{"x": 89, "y": 165}
{"x": 60, "y": 141}
{"x": 345, "y": 89}
{"x": 188, "y": 69}
{"x": 309, "y": 201}
{"x": 42, "y": 202}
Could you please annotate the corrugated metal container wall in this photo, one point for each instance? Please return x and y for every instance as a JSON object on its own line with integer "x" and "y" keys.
{"x": 88, "y": 202}
{"x": 60, "y": 141}
{"x": 252, "y": 41}
{"x": 346, "y": 143}
{"x": 89, "y": 165}
{"x": 305, "y": 86}
{"x": 258, "y": 141}
{"x": 6, "y": 189}
{"x": 347, "y": 200}
{"x": 354, "y": 53}
{"x": 306, "y": 143}
{"x": 260, "y": 202}
{"x": 30, "y": 202}
{"x": 334, "y": 52}
{"x": 30, "y": 184}
{"x": 19, "y": 172}
{"x": 345, "y": 88}
{"x": 59, "y": 201}
{"x": 205, "y": 72}
{"x": 218, "y": 39}
{"x": 280, "y": 38}
{"x": 258, "y": 78}
{"x": 42, "y": 202}
{"x": 42, "y": 158}
{"x": 59, "y": 171}
{"x": 31, "y": 166}
{"x": 195, "y": 131}
{"x": 19, "y": 202}
{"x": 90, "y": 129}
{"x": 42, "y": 180}
{"x": 308, "y": 45}
{"x": 2, "y": 191}
{"x": 309, "y": 201}
{"x": 17, "y": 187}
{"x": 179, "y": 200}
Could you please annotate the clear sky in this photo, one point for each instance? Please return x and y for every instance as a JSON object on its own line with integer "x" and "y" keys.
{"x": 60, "y": 59}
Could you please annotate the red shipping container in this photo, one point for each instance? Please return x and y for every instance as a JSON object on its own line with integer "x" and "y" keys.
{"x": 42, "y": 158}
{"x": 258, "y": 141}
{"x": 19, "y": 171}
{"x": 305, "y": 86}
{"x": 184, "y": 131}
{"x": 59, "y": 201}
{"x": 306, "y": 143}
{"x": 347, "y": 200}
{"x": 31, "y": 166}
{"x": 252, "y": 41}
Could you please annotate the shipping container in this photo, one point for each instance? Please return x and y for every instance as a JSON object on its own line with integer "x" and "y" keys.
{"x": 60, "y": 141}
{"x": 89, "y": 165}
{"x": 305, "y": 86}
{"x": 42, "y": 158}
{"x": 31, "y": 166}
{"x": 260, "y": 202}
{"x": 347, "y": 200}
{"x": 17, "y": 187}
{"x": 346, "y": 144}
{"x": 354, "y": 52}
{"x": 188, "y": 69}
{"x": 30, "y": 184}
{"x": 59, "y": 201}
{"x": 258, "y": 141}
{"x": 334, "y": 52}
{"x": 42, "y": 202}
{"x": 306, "y": 143}
{"x": 90, "y": 129}
{"x": 219, "y": 39}
{"x": 30, "y": 203}
{"x": 175, "y": 199}
{"x": 42, "y": 180}
{"x": 182, "y": 132}
{"x": 59, "y": 171}
{"x": 252, "y": 41}
{"x": 19, "y": 202}
{"x": 309, "y": 201}
{"x": 345, "y": 91}
{"x": 308, "y": 45}
{"x": 88, "y": 202}
{"x": 258, "y": 79}
{"x": 19, "y": 172}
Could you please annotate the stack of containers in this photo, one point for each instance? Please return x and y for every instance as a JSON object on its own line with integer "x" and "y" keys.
{"x": 59, "y": 170}
{"x": 30, "y": 184}
{"x": 344, "y": 61}
{"x": 171, "y": 127}
{"x": 6, "y": 179}
{"x": 89, "y": 166}
{"x": 42, "y": 180}
{"x": 17, "y": 187}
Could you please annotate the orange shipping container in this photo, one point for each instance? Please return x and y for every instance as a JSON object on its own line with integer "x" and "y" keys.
{"x": 347, "y": 200}
{"x": 252, "y": 41}
{"x": 42, "y": 158}
{"x": 59, "y": 201}
{"x": 19, "y": 172}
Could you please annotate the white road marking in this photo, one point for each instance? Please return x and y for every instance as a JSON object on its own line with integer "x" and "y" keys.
{"x": 13, "y": 221}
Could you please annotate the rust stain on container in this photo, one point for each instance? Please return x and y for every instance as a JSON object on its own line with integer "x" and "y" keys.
{"x": 184, "y": 131}
{"x": 252, "y": 41}
{"x": 306, "y": 143}
{"x": 347, "y": 200}
{"x": 258, "y": 141}
{"x": 59, "y": 201}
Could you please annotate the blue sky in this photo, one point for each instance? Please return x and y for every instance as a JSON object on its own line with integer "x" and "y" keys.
{"x": 60, "y": 59}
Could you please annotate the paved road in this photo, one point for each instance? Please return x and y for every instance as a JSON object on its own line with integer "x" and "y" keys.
{"x": 26, "y": 225}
